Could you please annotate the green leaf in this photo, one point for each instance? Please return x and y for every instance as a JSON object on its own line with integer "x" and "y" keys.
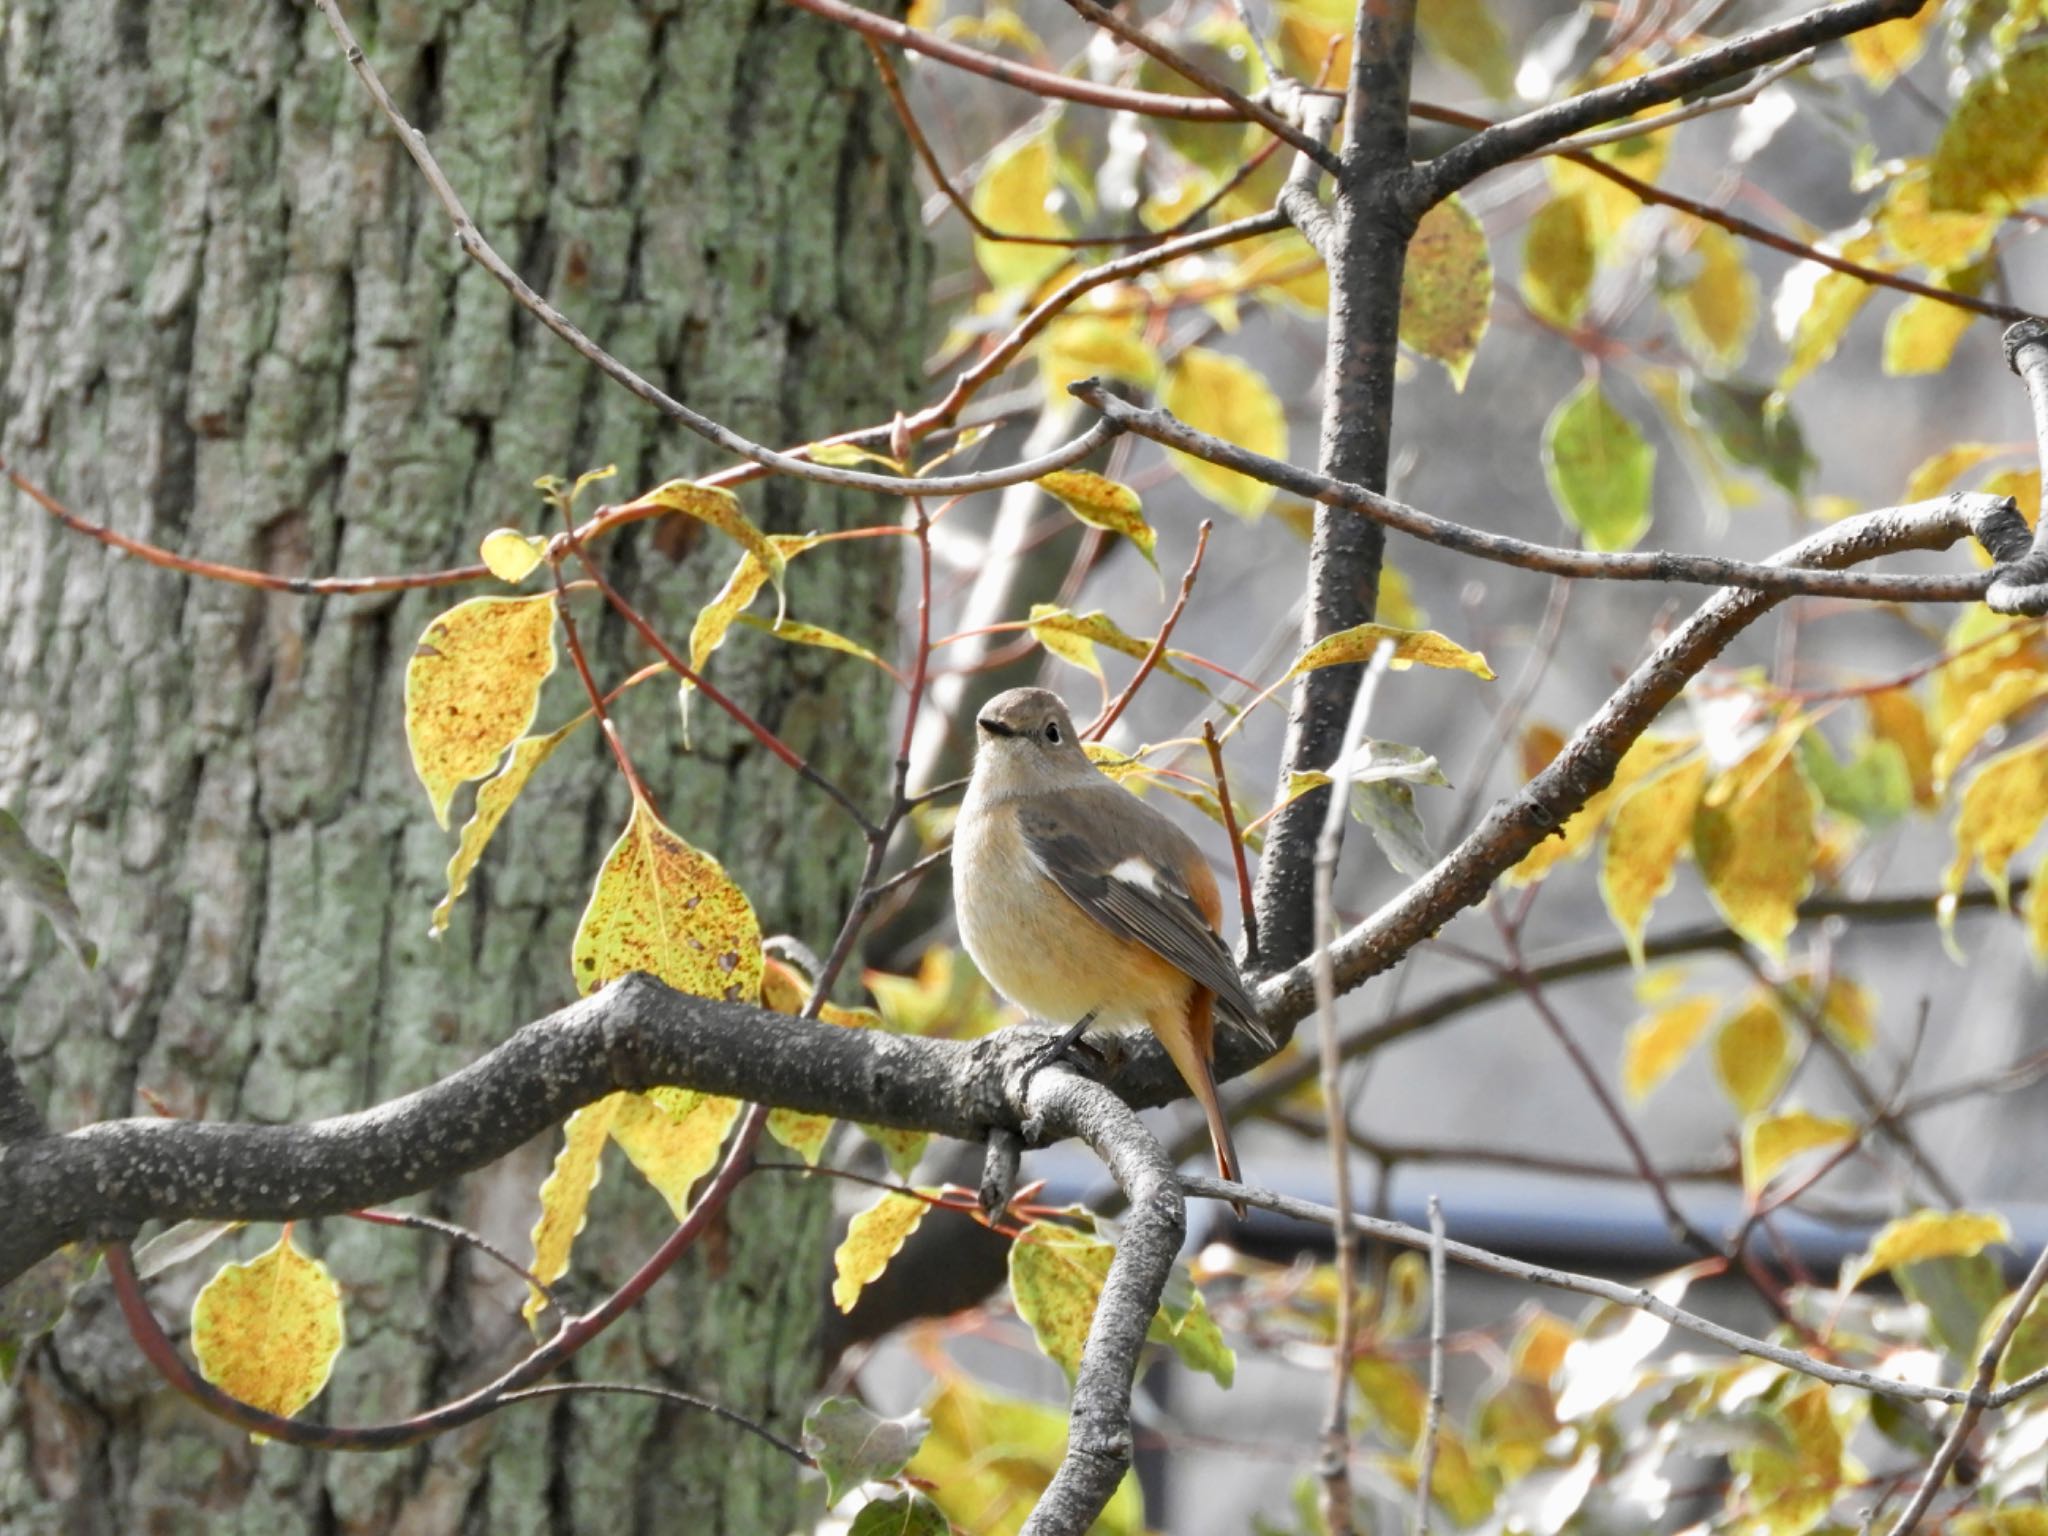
{"x": 1447, "y": 292}
{"x": 40, "y": 881}
{"x": 1958, "y": 1292}
{"x": 1993, "y": 155}
{"x": 33, "y": 1302}
{"x": 1599, "y": 468}
{"x": 1754, "y": 427}
{"x": 901, "y": 1514}
{"x": 1875, "y": 788}
{"x": 1464, "y": 33}
{"x": 1056, "y": 1280}
{"x": 1389, "y": 813}
{"x": 1183, "y": 1321}
{"x": 856, "y": 1445}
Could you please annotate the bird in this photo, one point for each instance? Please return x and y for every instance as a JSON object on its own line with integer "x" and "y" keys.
{"x": 1085, "y": 906}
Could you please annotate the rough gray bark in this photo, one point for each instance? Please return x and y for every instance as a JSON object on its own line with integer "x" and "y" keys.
{"x": 232, "y": 322}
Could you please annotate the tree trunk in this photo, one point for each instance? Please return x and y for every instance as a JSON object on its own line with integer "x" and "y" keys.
{"x": 234, "y": 323}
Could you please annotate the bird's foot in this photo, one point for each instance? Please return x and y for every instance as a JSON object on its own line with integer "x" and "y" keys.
{"x": 1070, "y": 1048}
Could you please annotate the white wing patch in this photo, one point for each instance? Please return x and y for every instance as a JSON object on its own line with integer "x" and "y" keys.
{"x": 1139, "y": 872}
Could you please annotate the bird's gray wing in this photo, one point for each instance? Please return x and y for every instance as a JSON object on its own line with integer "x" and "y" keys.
{"x": 1125, "y": 871}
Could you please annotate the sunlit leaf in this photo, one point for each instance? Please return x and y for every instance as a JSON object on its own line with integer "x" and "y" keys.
{"x": 472, "y": 686}
{"x": 1896, "y": 717}
{"x": 715, "y": 620}
{"x": 1926, "y": 1235}
{"x": 1992, "y": 156}
{"x": 1815, "y": 304}
{"x": 1073, "y": 637}
{"x": 1447, "y": 292}
{"x": 1599, "y": 469}
{"x": 2003, "y": 695}
{"x": 1103, "y": 503}
{"x": 668, "y": 909}
{"x": 1409, "y": 647}
{"x": 1644, "y": 757}
{"x": 716, "y": 508}
{"x": 798, "y": 633}
{"x": 1017, "y": 195}
{"x": 1656, "y": 1045}
{"x": 1716, "y": 310}
{"x": 1056, "y": 1279}
{"x": 1753, "y": 1055}
{"x": 1770, "y": 1143}
{"x": 1225, "y": 398}
{"x": 873, "y": 1238}
{"x": 1884, "y": 52}
{"x": 510, "y": 555}
{"x": 988, "y": 1460}
{"x": 267, "y": 1332}
{"x": 1652, "y": 826}
{"x": 2001, "y": 808}
{"x": 1087, "y": 346}
{"x": 1938, "y": 240}
{"x": 1921, "y": 336}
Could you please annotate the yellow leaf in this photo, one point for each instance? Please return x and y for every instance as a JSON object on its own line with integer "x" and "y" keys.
{"x": 1769, "y": 1144}
{"x": 663, "y": 907}
{"x": 1716, "y": 311}
{"x": 797, "y": 633}
{"x": 1644, "y": 757}
{"x": 1447, "y": 294}
{"x": 2037, "y": 915}
{"x": 1656, "y": 1045}
{"x": 715, "y": 619}
{"x": 1652, "y": 825}
{"x": 673, "y": 1138}
{"x": 1103, "y": 503}
{"x": 1981, "y": 644}
{"x": 2016, "y": 1520}
{"x": 1992, "y": 156}
{"x": 1815, "y": 305}
{"x": 1927, "y": 1235}
{"x": 1936, "y": 474}
{"x": 1015, "y": 196}
{"x": 988, "y": 1460}
{"x": 1225, "y": 398}
{"x": 1921, "y": 336}
{"x": 1287, "y": 265}
{"x": 1409, "y": 647}
{"x": 565, "y": 1193}
{"x": 1539, "y": 1349}
{"x": 266, "y": 1332}
{"x": 1558, "y": 260}
{"x": 1091, "y": 346}
{"x": 511, "y": 555}
{"x": 2003, "y": 695}
{"x": 1056, "y": 1280}
{"x": 1753, "y": 838}
{"x": 1073, "y": 637}
{"x": 2002, "y": 808}
{"x": 1752, "y": 1056}
{"x": 717, "y": 508}
{"x": 1849, "y": 1009}
{"x": 873, "y": 1238}
{"x": 1896, "y": 717}
{"x": 1884, "y": 52}
{"x": 1939, "y": 241}
{"x": 493, "y": 800}
{"x": 472, "y": 686}
{"x": 1397, "y": 605}
{"x": 847, "y": 456}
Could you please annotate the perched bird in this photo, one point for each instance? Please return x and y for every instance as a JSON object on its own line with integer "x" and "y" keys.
{"x": 1085, "y": 906}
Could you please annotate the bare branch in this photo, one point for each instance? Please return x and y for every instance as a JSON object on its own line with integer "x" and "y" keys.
{"x": 1425, "y": 1472}
{"x": 2024, "y": 587}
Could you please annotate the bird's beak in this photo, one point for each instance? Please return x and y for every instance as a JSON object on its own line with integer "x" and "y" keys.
{"x": 995, "y": 727}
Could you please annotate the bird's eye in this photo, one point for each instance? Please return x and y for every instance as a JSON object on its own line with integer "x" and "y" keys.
{"x": 1052, "y": 732}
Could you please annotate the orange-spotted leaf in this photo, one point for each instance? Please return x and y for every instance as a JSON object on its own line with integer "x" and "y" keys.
{"x": 1447, "y": 294}
{"x": 1101, "y": 502}
{"x": 1651, "y": 827}
{"x": 668, "y": 909}
{"x": 565, "y": 1193}
{"x": 1770, "y": 1143}
{"x": 1217, "y": 394}
{"x": 1754, "y": 840}
{"x": 873, "y": 1238}
{"x": 1753, "y": 1055}
{"x": 1644, "y": 757}
{"x": 266, "y": 1332}
{"x": 1056, "y": 1280}
{"x": 1656, "y": 1045}
{"x": 716, "y": 508}
{"x": 493, "y": 800}
{"x": 472, "y": 686}
{"x": 2002, "y": 808}
{"x": 1073, "y": 637}
{"x": 715, "y": 619}
{"x": 1409, "y": 646}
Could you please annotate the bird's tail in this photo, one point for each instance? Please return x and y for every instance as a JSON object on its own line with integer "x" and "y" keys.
{"x": 1189, "y": 1040}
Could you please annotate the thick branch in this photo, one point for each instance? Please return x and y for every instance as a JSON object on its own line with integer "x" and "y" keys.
{"x": 2023, "y": 588}
{"x": 1460, "y": 166}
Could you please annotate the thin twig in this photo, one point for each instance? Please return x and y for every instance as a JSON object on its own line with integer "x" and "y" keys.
{"x": 667, "y": 1395}
{"x": 1237, "y": 855}
{"x": 1425, "y": 1472}
{"x": 1979, "y": 1399}
{"x": 1335, "y": 1467}
{"x": 461, "y": 1234}
{"x": 1099, "y": 728}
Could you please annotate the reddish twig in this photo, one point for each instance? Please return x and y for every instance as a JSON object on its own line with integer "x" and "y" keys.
{"x": 1244, "y": 874}
{"x": 1116, "y": 707}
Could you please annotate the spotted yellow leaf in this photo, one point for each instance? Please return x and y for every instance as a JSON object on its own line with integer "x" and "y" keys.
{"x": 1447, "y": 294}
{"x": 266, "y": 1332}
{"x": 2002, "y": 807}
{"x": 493, "y": 800}
{"x": 668, "y": 909}
{"x": 1992, "y": 157}
{"x": 1073, "y": 637}
{"x": 716, "y": 508}
{"x": 1056, "y": 1279}
{"x": 1644, "y": 757}
{"x": 1101, "y": 502}
{"x": 1410, "y": 646}
{"x": 1753, "y": 838}
{"x": 873, "y": 1238}
{"x": 472, "y": 686}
